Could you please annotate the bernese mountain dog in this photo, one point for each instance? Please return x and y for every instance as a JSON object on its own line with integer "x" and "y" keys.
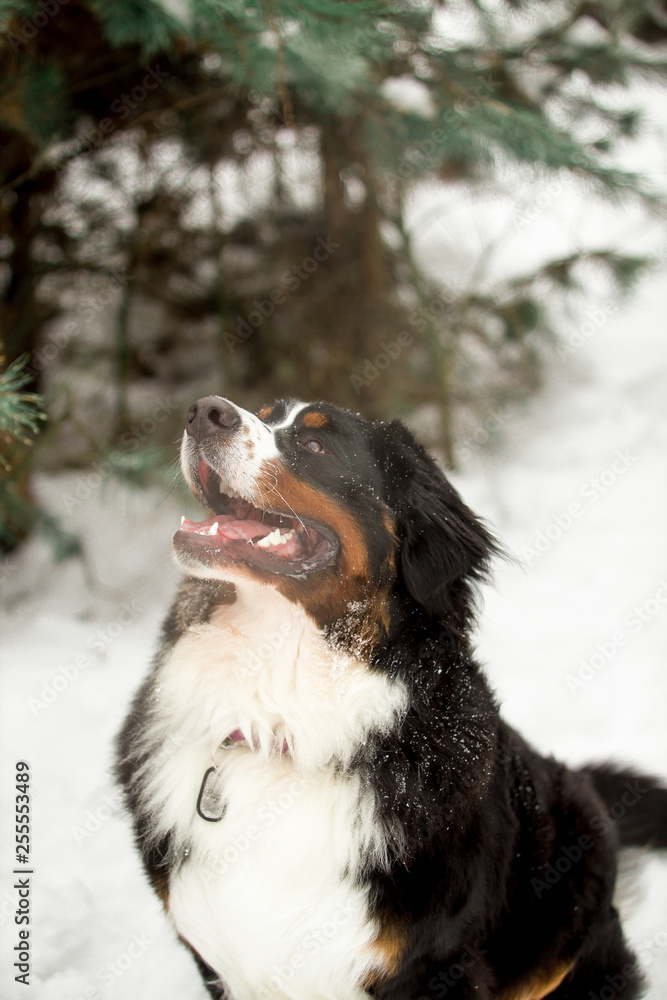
{"x": 324, "y": 795}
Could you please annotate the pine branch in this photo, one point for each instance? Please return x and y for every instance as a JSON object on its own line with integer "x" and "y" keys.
{"x": 20, "y": 412}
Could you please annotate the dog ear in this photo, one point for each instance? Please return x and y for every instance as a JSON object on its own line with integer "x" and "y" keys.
{"x": 445, "y": 550}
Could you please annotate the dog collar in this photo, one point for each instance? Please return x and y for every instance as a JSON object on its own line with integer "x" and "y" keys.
{"x": 230, "y": 741}
{"x": 209, "y": 806}
{"x": 237, "y": 737}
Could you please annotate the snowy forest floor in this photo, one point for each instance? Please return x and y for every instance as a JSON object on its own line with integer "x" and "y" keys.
{"x": 574, "y": 632}
{"x": 574, "y": 636}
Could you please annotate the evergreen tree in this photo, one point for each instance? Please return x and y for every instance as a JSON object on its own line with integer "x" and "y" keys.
{"x": 215, "y": 201}
{"x": 21, "y": 414}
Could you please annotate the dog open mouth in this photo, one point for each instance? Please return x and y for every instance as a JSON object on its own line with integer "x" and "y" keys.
{"x": 265, "y": 539}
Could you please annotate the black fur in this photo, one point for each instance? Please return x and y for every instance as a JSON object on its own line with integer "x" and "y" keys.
{"x": 445, "y": 550}
{"x": 503, "y": 861}
{"x": 636, "y": 805}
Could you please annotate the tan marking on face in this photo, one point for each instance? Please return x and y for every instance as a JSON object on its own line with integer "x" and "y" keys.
{"x": 327, "y": 595}
{"x": 315, "y": 419}
{"x": 540, "y": 984}
{"x": 265, "y": 412}
{"x": 341, "y": 595}
{"x": 293, "y": 496}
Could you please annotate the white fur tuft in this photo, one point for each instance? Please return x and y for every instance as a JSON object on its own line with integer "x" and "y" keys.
{"x": 267, "y": 896}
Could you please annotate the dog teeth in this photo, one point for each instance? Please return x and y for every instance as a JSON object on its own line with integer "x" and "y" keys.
{"x": 227, "y": 491}
{"x": 275, "y": 538}
{"x": 213, "y": 530}
{"x": 182, "y": 519}
{"x": 268, "y": 540}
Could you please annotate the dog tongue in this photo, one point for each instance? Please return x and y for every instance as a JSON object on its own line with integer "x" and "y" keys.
{"x": 228, "y": 527}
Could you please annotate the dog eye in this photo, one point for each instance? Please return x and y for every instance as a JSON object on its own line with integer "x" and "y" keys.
{"x": 313, "y": 445}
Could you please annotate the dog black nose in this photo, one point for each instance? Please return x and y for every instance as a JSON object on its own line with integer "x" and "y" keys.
{"x": 211, "y": 415}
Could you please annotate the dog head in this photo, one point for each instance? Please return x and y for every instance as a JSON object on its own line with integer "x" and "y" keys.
{"x": 332, "y": 510}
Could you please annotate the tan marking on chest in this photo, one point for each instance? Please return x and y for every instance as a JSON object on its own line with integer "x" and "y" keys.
{"x": 540, "y": 984}
{"x": 387, "y": 950}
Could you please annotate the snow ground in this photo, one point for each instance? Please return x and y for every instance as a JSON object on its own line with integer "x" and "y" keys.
{"x": 575, "y": 635}
{"x": 98, "y": 931}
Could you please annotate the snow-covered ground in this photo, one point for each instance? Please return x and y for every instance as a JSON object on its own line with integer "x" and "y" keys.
{"x": 574, "y": 632}
{"x": 575, "y": 637}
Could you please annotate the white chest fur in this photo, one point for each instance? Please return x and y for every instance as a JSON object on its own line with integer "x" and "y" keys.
{"x": 267, "y": 895}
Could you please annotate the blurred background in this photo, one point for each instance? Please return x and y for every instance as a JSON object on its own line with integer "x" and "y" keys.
{"x": 449, "y": 212}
